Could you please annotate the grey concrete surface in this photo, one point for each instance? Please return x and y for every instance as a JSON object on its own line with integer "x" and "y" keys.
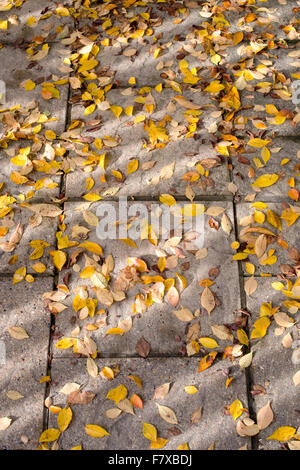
{"x": 24, "y": 362}
{"x": 211, "y": 396}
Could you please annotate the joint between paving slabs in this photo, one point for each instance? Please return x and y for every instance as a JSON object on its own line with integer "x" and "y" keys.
{"x": 55, "y": 283}
{"x": 248, "y": 374}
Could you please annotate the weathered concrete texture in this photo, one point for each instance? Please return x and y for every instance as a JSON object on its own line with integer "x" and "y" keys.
{"x": 45, "y": 24}
{"x": 24, "y": 362}
{"x": 158, "y": 324}
{"x": 17, "y": 71}
{"x": 126, "y": 430}
{"x": 270, "y": 16}
{"x": 150, "y": 182}
{"x": 280, "y": 149}
{"x": 258, "y": 116}
{"x": 125, "y": 97}
{"x": 44, "y": 185}
{"x": 272, "y": 367}
{"x": 45, "y": 232}
{"x": 290, "y": 235}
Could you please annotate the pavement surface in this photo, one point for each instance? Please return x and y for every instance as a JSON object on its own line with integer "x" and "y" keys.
{"x": 149, "y": 224}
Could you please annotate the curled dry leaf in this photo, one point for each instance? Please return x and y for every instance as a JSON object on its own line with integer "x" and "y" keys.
{"x": 243, "y": 430}
{"x": 167, "y": 414}
{"x": 184, "y": 314}
{"x": 17, "y": 332}
{"x": 196, "y": 416}
{"x": 80, "y": 398}
{"x": 161, "y": 391}
{"x": 208, "y": 300}
{"x": 250, "y": 285}
{"x": 5, "y": 423}
{"x": 143, "y": 347}
{"x": 265, "y": 416}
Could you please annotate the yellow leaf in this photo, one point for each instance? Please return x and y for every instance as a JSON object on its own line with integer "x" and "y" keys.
{"x": 89, "y": 109}
{"x": 242, "y": 337}
{"x": 191, "y": 389}
{"x": 258, "y": 143}
{"x": 184, "y": 446}
{"x": 50, "y": 435}
{"x": 92, "y": 197}
{"x": 117, "y": 110}
{"x": 64, "y": 418}
{"x": 273, "y": 219}
{"x": 137, "y": 380}
{"x": 208, "y": 343}
{"x": 265, "y": 180}
{"x": 150, "y": 431}
{"x": 250, "y": 268}
{"x": 167, "y": 199}
{"x": 159, "y": 443}
{"x": 140, "y": 118}
{"x": 117, "y": 394}
{"x": 59, "y": 258}
{"x": 283, "y": 433}
{"x": 39, "y": 267}
{"x": 260, "y": 327}
{"x": 92, "y": 246}
{"x": 50, "y": 135}
{"x": 19, "y": 275}
{"x": 115, "y": 331}
{"x": 236, "y": 409}
{"x": 95, "y": 431}
{"x": 66, "y": 343}
{"x": 3, "y": 24}
{"x": 207, "y": 361}
{"x": 29, "y": 85}
{"x": 240, "y": 256}
{"x": 132, "y": 166}
{"x": 214, "y": 87}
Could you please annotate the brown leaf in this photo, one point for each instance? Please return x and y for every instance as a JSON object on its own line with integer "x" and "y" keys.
{"x": 208, "y": 300}
{"x": 265, "y": 416}
{"x": 143, "y": 347}
{"x": 294, "y": 255}
{"x": 80, "y": 398}
{"x": 161, "y": 391}
{"x": 196, "y": 416}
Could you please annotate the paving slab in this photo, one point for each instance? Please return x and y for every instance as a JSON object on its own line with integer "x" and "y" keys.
{"x": 280, "y": 150}
{"x": 37, "y": 184}
{"x": 23, "y": 362}
{"x": 269, "y": 19}
{"x": 272, "y": 367}
{"x": 34, "y": 19}
{"x": 151, "y": 177}
{"x": 212, "y": 396}
{"x": 158, "y": 324}
{"x": 290, "y": 235}
{"x": 14, "y": 73}
{"x": 45, "y": 231}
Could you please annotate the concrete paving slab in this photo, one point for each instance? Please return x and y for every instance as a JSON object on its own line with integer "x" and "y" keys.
{"x": 280, "y": 150}
{"x": 23, "y": 362}
{"x": 20, "y": 70}
{"x": 268, "y": 21}
{"x": 44, "y": 232}
{"x": 290, "y": 234}
{"x": 158, "y": 324}
{"x": 272, "y": 367}
{"x": 149, "y": 180}
{"x": 34, "y": 19}
{"x": 39, "y": 184}
{"x": 212, "y": 396}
